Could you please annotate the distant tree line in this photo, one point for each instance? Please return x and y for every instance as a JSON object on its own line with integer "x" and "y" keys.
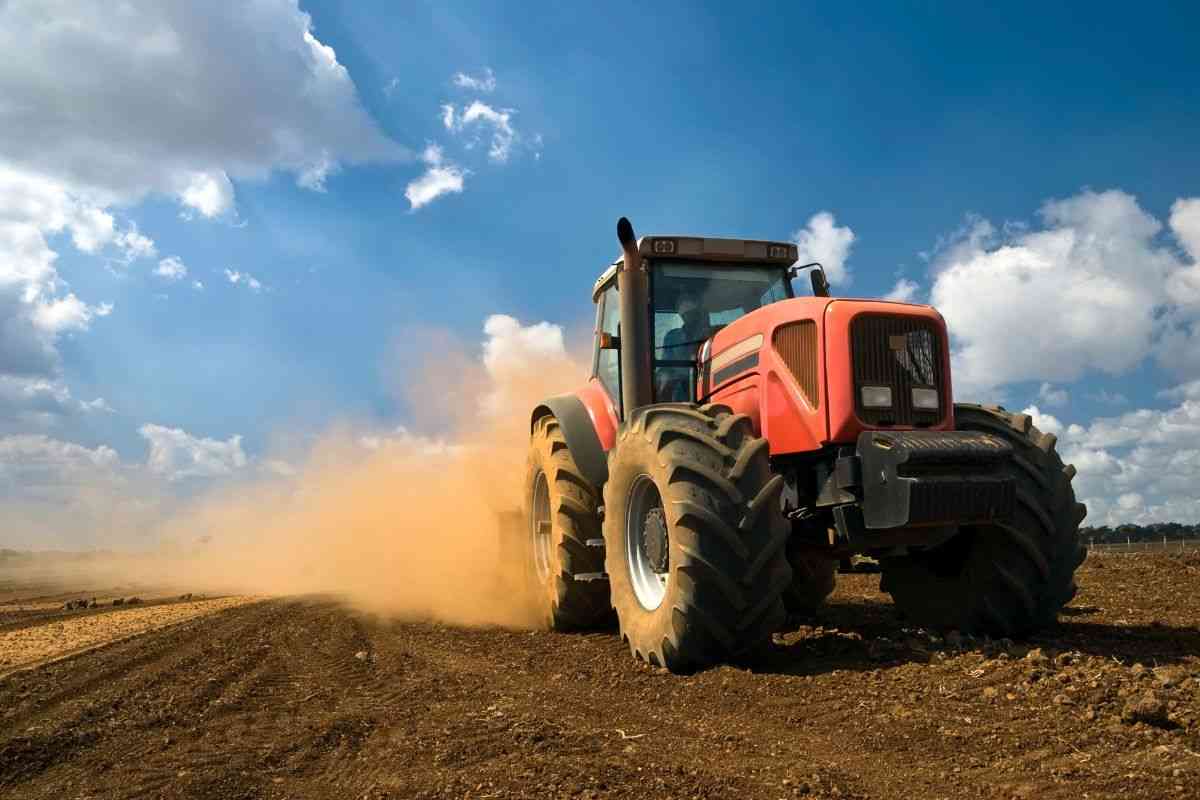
{"x": 1120, "y": 534}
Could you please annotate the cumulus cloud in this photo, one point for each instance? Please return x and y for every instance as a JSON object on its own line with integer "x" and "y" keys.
{"x": 480, "y": 115}
{"x": 242, "y": 278}
{"x": 441, "y": 177}
{"x": 210, "y": 193}
{"x": 485, "y": 82}
{"x": 1142, "y": 466}
{"x": 1046, "y": 423}
{"x": 177, "y": 454}
{"x": 1082, "y": 292}
{"x": 172, "y": 268}
{"x": 905, "y": 291}
{"x": 514, "y": 354}
{"x": 101, "y": 86}
{"x": 105, "y": 104}
{"x": 37, "y": 307}
{"x": 37, "y": 455}
{"x": 823, "y": 241}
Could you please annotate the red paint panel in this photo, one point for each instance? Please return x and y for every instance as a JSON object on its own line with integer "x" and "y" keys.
{"x": 602, "y": 411}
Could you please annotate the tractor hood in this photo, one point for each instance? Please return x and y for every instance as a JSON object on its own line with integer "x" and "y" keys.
{"x": 798, "y": 368}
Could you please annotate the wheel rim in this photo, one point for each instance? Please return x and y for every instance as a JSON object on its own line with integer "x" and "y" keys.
{"x": 642, "y": 538}
{"x": 541, "y": 527}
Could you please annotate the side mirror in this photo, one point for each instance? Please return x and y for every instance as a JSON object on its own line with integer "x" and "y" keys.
{"x": 820, "y": 284}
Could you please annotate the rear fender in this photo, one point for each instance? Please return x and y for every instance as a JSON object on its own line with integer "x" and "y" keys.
{"x": 580, "y": 432}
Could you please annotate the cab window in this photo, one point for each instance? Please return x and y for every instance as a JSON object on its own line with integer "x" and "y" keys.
{"x": 607, "y": 361}
{"x": 691, "y": 302}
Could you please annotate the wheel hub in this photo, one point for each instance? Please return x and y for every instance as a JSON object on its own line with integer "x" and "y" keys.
{"x": 655, "y": 544}
{"x": 647, "y": 544}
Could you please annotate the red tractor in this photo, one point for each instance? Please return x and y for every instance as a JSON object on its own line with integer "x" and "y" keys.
{"x": 735, "y": 442}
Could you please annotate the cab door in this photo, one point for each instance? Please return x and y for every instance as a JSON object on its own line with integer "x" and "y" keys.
{"x": 602, "y": 394}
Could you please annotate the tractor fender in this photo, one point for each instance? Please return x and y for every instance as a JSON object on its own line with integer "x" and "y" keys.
{"x": 580, "y": 433}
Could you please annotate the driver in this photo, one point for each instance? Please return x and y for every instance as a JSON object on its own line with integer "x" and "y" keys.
{"x": 682, "y": 344}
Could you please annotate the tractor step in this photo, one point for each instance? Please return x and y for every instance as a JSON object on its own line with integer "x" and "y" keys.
{"x": 595, "y": 543}
{"x": 588, "y": 577}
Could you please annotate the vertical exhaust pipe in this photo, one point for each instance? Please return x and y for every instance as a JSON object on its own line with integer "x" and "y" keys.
{"x": 633, "y": 285}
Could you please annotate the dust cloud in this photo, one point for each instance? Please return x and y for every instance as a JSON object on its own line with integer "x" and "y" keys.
{"x": 400, "y": 523}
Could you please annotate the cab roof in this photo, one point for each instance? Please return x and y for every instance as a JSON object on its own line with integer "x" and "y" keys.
{"x": 703, "y": 248}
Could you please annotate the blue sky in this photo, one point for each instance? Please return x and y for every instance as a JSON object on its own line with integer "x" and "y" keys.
{"x": 931, "y": 139}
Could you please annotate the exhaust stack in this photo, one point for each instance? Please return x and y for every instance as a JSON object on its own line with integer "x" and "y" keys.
{"x": 633, "y": 286}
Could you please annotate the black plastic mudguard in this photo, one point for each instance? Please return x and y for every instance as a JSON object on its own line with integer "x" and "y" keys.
{"x": 580, "y": 434}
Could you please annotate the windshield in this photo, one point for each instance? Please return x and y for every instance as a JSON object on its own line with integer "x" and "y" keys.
{"x": 691, "y": 301}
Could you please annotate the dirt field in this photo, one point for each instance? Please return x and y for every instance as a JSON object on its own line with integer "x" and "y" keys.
{"x": 300, "y": 698}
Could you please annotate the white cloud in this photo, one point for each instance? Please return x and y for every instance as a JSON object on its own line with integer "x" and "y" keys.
{"x": 441, "y": 177}
{"x": 1052, "y": 396}
{"x": 171, "y": 268}
{"x": 1185, "y": 222}
{"x": 485, "y": 82}
{"x": 176, "y": 454}
{"x": 134, "y": 245}
{"x": 175, "y": 97}
{"x": 514, "y": 354}
{"x": 1081, "y": 293}
{"x": 235, "y": 277}
{"x": 905, "y": 291}
{"x": 1046, "y": 423}
{"x": 36, "y": 456}
{"x": 198, "y": 285}
{"x": 104, "y": 104}
{"x": 313, "y": 177}
{"x": 823, "y": 241}
{"x": 1142, "y": 466}
{"x": 210, "y": 193}
{"x": 36, "y": 306}
{"x": 480, "y": 114}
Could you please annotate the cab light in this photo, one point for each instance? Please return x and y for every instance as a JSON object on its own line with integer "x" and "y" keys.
{"x": 877, "y": 396}
{"x": 925, "y": 399}
{"x": 664, "y": 247}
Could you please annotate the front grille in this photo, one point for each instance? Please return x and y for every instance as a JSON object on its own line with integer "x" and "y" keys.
{"x": 903, "y": 353}
{"x": 796, "y": 344}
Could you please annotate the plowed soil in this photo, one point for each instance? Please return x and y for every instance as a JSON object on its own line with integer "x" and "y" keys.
{"x": 303, "y": 698}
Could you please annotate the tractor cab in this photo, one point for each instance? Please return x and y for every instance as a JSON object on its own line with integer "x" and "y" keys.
{"x": 696, "y": 287}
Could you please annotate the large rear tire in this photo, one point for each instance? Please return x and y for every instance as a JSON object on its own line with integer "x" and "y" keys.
{"x": 695, "y": 537}
{"x": 563, "y": 545}
{"x": 1004, "y": 580}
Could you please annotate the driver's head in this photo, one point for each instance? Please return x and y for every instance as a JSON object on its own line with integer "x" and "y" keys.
{"x": 688, "y": 307}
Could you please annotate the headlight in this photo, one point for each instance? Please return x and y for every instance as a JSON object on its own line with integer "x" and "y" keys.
{"x": 877, "y": 396}
{"x": 925, "y": 399}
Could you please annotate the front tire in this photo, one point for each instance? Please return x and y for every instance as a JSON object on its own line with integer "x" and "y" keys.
{"x": 1007, "y": 579}
{"x": 695, "y": 537}
{"x": 563, "y": 561}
